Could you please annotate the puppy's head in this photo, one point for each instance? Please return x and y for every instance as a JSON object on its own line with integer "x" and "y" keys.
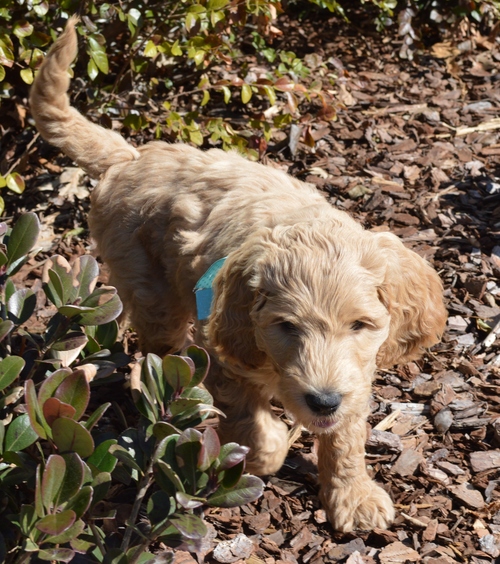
{"x": 310, "y": 309}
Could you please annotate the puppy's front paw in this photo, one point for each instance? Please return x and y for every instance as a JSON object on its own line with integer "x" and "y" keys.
{"x": 362, "y": 505}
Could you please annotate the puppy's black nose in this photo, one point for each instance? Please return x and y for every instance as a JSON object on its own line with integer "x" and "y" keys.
{"x": 323, "y": 404}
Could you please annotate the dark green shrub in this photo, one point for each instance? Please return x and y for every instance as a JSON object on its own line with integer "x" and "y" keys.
{"x": 57, "y": 465}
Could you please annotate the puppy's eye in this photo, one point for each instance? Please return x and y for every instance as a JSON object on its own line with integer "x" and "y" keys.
{"x": 289, "y": 327}
{"x": 358, "y": 325}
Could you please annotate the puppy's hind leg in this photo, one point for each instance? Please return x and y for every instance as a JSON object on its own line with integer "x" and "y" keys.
{"x": 159, "y": 315}
{"x": 249, "y": 421}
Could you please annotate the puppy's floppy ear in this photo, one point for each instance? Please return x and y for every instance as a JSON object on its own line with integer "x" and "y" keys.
{"x": 230, "y": 329}
{"x": 413, "y": 294}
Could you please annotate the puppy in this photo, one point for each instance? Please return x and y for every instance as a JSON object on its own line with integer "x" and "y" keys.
{"x": 305, "y": 307}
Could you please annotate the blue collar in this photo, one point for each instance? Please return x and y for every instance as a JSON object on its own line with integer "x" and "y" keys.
{"x": 203, "y": 290}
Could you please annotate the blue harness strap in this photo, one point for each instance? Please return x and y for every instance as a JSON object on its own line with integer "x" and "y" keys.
{"x": 203, "y": 290}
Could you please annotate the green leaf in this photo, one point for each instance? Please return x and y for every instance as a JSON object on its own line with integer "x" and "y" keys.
{"x": 54, "y": 289}
{"x": 107, "y": 334}
{"x": 217, "y": 4}
{"x": 92, "y": 69}
{"x": 21, "y": 305}
{"x": 189, "y": 501}
{"x": 85, "y": 544}
{"x": 175, "y": 50}
{"x": 67, "y": 348}
{"x": 70, "y": 436}
{"x": 85, "y": 272}
{"x": 60, "y": 288}
{"x": 177, "y": 372}
{"x": 163, "y": 429}
{"x": 74, "y": 390}
{"x": 27, "y": 519}
{"x": 74, "y": 531}
{"x": 101, "y": 458}
{"x": 2, "y": 76}
{"x": 150, "y": 49}
{"x": 73, "y": 477}
{"x": 196, "y": 137}
{"x": 57, "y": 523}
{"x": 22, "y": 239}
{"x": 96, "y": 415}
{"x": 160, "y": 506}
{"x": 81, "y": 501}
{"x": 190, "y": 21}
{"x": 14, "y": 181}
{"x": 37, "y": 420}
{"x": 134, "y": 16}
{"x": 199, "y": 57}
{"x": 50, "y": 385}
{"x": 167, "y": 478}
{"x": 201, "y": 361}
{"x": 100, "y": 486}
{"x": 22, "y": 28}
{"x": 52, "y": 480}
{"x": 210, "y": 449}
{"x": 98, "y": 54}
{"x": 152, "y": 378}
{"x": 10, "y": 368}
{"x": 191, "y": 526}
{"x": 248, "y": 489}
{"x": 187, "y": 453}
{"x": 246, "y": 93}
{"x": 5, "y": 328}
{"x": 271, "y": 94}
{"x": 232, "y": 454}
{"x": 102, "y": 306}
{"x": 125, "y": 457}
{"x": 181, "y": 405}
{"x": 232, "y": 475}
{"x": 56, "y": 554}
{"x": 206, "y": 98}
{"x": 19, "y": 434}
{"x": 28, "y": 77}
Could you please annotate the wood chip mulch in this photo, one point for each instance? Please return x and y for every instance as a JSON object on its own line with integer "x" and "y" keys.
{"x": 415, "y": 149}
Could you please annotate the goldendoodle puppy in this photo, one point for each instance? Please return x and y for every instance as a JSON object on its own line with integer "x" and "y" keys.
{"x": 305, "y": 307}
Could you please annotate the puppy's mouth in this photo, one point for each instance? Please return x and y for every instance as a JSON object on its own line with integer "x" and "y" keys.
{"x": 324, "y": 422}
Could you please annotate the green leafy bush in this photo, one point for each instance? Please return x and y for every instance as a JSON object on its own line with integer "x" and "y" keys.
{"x": 179, "y": 70}
{"x": 58, "y": 466}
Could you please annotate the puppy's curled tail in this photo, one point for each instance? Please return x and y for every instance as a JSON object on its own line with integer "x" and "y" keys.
{"x": 92, "y": 147}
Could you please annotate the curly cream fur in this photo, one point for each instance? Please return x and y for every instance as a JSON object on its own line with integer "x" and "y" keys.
{"x": 162, "y": 214}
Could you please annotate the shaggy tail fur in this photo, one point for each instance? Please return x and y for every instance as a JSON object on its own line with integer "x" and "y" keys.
{"x": 92, "y": 147}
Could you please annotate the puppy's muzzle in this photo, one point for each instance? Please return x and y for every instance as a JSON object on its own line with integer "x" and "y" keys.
{"x": 323, "y": 403}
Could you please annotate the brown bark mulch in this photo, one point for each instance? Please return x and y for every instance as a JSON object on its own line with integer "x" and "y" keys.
{"x": 415, "y": 149}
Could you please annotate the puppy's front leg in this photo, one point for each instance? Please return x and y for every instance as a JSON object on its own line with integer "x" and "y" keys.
{"x": 249, "y": 421}
{"x": 351, "y": 499}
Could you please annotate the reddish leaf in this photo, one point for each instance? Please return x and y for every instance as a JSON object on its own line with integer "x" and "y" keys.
{"x": 54, "y": 408}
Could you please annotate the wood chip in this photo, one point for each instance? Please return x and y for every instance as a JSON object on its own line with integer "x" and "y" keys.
{"x": 407, "y": 463}
{"x": 398, "y": 552}
{"x": 485, "y": 460}
{"x": 232, "y": 550}
{"x": 469, "y": 495}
